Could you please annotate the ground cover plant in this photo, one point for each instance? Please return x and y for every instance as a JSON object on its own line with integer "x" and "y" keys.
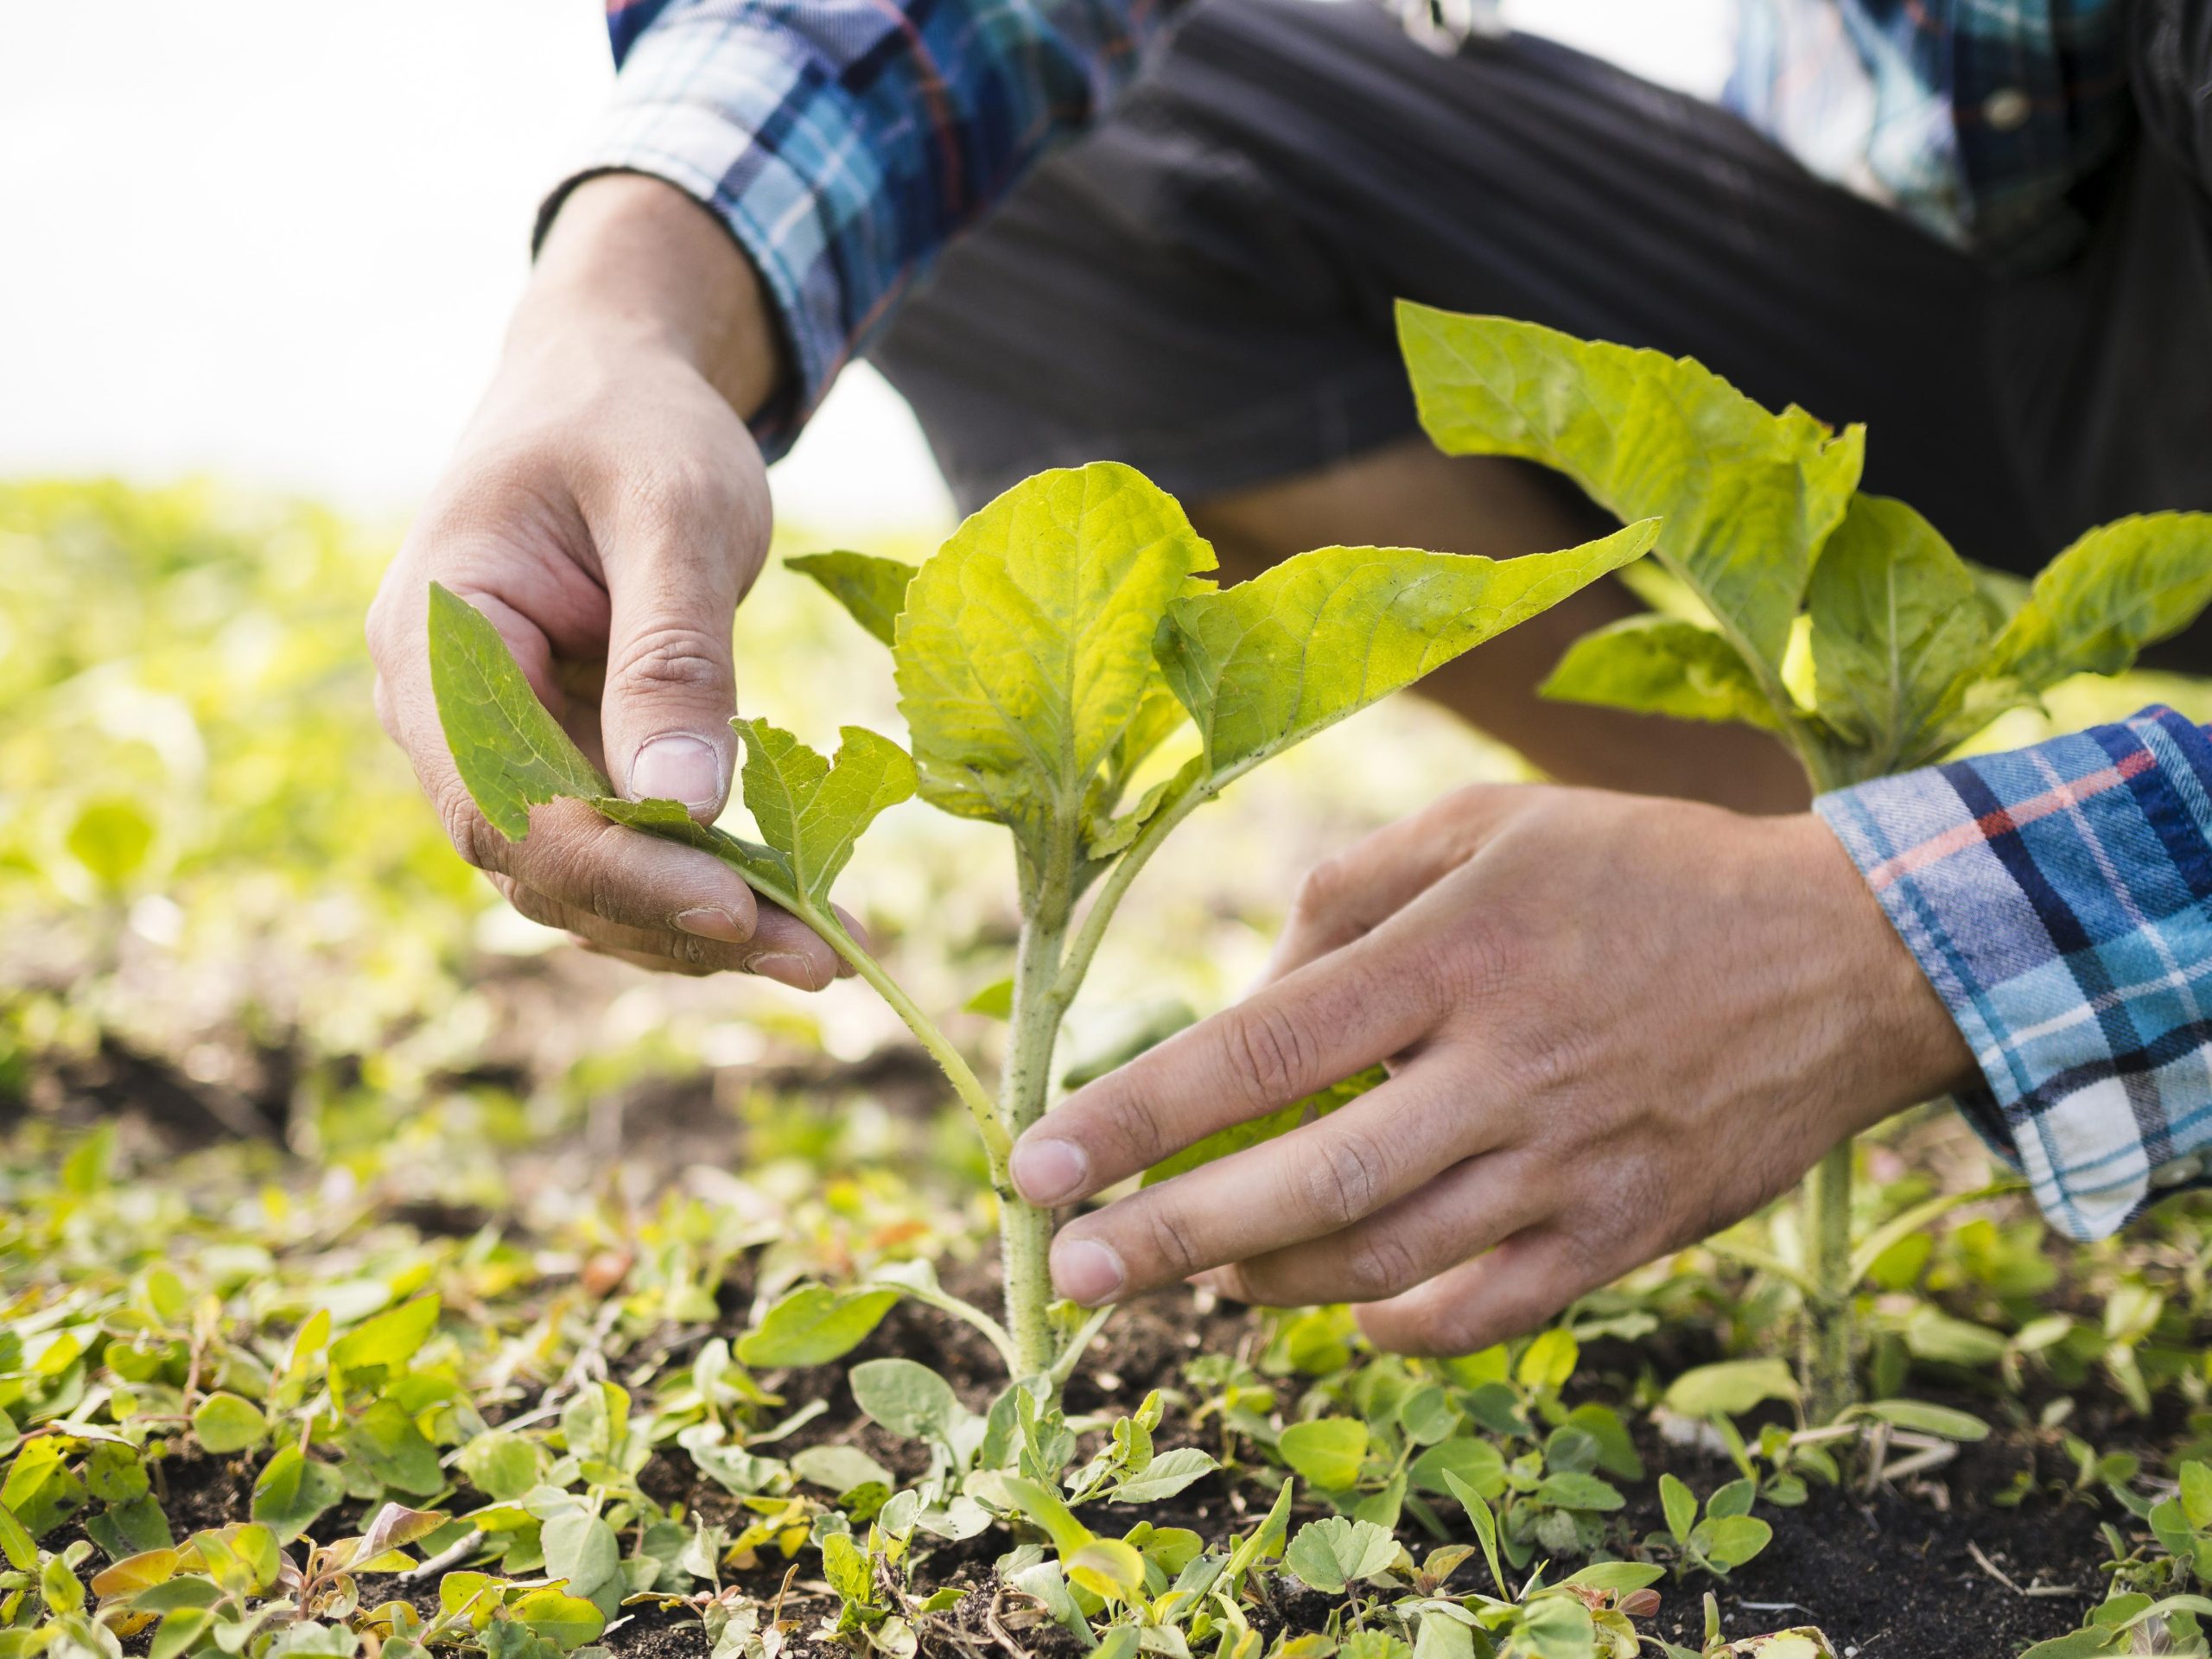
{"x": 510, "y": 1246}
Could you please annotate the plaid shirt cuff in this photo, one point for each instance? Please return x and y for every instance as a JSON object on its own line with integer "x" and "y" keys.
{"x": 843, "y": 142}
{"x": 2059, "y": 898}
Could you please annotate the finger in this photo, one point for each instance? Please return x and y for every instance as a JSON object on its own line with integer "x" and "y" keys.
{"x": 676, "y": 558}
{"x": 1311, "y": 1183}
{"x": 1347, "y": 896}
{"x": 1325, "y": 1022}
{"x": 781, "y": 947}
{"x": 1511, "y": 1290}
{"x": 1464, "y": 1211}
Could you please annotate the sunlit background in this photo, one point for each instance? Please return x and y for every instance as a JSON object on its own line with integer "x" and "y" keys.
{"x": 278, "y": 241}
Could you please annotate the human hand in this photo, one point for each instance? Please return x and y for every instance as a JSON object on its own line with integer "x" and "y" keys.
{"x": 607, "y": 510}
{"x": 1614, "y": 1025}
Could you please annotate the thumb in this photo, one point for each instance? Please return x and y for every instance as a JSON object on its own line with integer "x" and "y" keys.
{"x": 670, "y": 685}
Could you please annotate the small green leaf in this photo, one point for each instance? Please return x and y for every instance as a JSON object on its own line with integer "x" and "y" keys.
{"x": 1166, "y": 1475}
{"x": 293, "y": 1492}
{"x": 1555, "y": 1627}
{"x": 812, "y": 810}
{"x": 387, "y": 1442}
{"x": 225, "y": 1423}
{"x": 180, "y": 1632}
{"x": 388, "y": 1341}
{"x": 1266, "y": 1126}
{"x": 568, "y": 1622}
{"x": 1049, "y": 1510}
{"x": 1729, "y": 1540}
{"x": 1749, "y": 496}
{"x": 813, "y": 1326}
{"x": 582, "y": 1552}
{"x": 1484, "y": 1522}
{"x": 873, "y": 589}
{"x": 905, "y": 1397}
{"x": 1661, "y": 665}
{"x": 1267, "y": 664}
{"x": 509, "y": 750}
{"x": 1327, "y": 1451}
{"x": 502, "y": 1465}
{"x": 2196, "y": 1494}
{"x": 1478, "y": 1464}
{"x": 1680, "y": 1504}
{"x": 1571, "y": 1491}
{"x": 1330, "y": 1555}
{"x": 995, "y": 1001}
{"x": 16, "y": 1543}
{"x": 1730, "y": 1388}
{"x": 839, "y": 1468}
{"x": 1921, "y": 1418}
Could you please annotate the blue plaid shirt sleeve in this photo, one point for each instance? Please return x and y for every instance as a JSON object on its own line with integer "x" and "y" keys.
{"x": 2060, "y": 899}
{"x": 842, "y": 142}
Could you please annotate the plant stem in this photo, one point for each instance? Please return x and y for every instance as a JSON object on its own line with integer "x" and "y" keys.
{"x": 1025, "y": 1231}
{"x": 1831, "y": 1380}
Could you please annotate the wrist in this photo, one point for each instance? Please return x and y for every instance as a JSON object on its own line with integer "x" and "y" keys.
{"x": 630, "y": 263}
{"x": 1899, "y": 1044}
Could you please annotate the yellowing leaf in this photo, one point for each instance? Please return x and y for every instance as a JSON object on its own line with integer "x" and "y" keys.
{"x": 1661, "y": 665}
{"x": 1749, "y": 496}
{"x": 1024, "y": 653}
{"x": 873, "y": 589}
{"x": 1271, "y": 661}
{"x": 1109, "y": 1568}
{"x": 1732, "y": 1387}
{"x": 812, "y": 810}
{"x": 2119, "y": 588}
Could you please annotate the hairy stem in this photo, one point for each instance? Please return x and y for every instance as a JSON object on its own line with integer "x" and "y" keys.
{"x": 1831, "y": 1381}
{"x": 1025, "y": 1231}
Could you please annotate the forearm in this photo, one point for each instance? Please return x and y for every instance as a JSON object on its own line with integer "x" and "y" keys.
{"x": 634, "y": 263}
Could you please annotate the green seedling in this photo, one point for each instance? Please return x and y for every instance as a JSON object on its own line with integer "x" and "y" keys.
{"x": 1043, "y": 656}
{"x": 1726, "y": 1536}
{"x": 1840, "y": 622}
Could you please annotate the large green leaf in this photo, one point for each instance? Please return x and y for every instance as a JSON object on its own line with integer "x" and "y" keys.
{"x": 1271, "y": 661}
{"x": 1024, "y": 653}
{"x": 1662, "y": 666}
{"x": 811, "y": 811}
{"x": 1748, "y": 495}
{"x": 2122, "y": 587}
{"x": 1898, "y": 622}
{"x": 510, "y": 751}
{"x": 813, "y": 1326}
{"x": 872, "y": 588}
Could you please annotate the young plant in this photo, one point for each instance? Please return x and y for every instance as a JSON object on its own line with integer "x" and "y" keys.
{"x": 1840, "y": 622}
{"x": 1043, "y": 656}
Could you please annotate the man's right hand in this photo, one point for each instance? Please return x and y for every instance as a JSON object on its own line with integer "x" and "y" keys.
{"x": 607, "y": 509}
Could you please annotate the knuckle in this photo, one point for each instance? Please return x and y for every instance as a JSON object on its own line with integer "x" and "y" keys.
{"x": 1380, "y": 1263}
{"x": 672, "y": 655}
{"x": 1321, "y": 890}
{"x": 1133, "y": 1123}
{"x": 1270, "y": 1055}
{"x": 1343, "y": 1177}
{"x": 1170, "y": 1241}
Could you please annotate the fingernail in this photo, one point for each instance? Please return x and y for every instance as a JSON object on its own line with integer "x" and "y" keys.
{"x": 677, "y": 768}
{"x": 785, "y": 968}
{"x": 712, "y": 922}
{"x": 1086, "y": 1271}
{"x": 1046, "y": 1171}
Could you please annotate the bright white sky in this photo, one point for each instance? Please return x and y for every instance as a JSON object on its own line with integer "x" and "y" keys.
{"x": 276, "y": 240}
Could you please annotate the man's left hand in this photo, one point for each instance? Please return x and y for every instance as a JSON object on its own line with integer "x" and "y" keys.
{"x": 1613, "y": 1026}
